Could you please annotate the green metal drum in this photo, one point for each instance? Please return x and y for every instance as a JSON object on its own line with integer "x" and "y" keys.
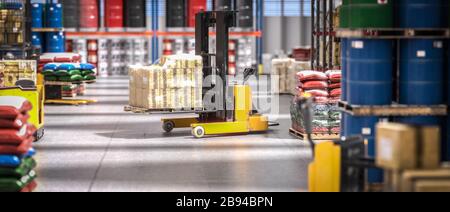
{"x": 367, "y": 14}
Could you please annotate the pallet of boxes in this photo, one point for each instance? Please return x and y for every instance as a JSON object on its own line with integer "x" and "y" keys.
{"x": 325, "y": 90}
{"x": 411, "y": 158}
{"x": 286, "y": 70}
{"x": 175, "y": 84}
{"x": 12, "y": 71}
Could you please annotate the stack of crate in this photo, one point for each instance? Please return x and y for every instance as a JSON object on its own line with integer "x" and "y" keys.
{"x": 411, "y": 158}
{"x": 176, "y": 84}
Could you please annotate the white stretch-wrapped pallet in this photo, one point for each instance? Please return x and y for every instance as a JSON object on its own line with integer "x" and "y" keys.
{"x": 175, "y": 84}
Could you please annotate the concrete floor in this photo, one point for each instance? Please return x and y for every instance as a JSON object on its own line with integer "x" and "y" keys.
{"x": 101, "y": 148}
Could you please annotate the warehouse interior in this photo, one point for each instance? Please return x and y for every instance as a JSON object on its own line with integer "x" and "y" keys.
{"x": 224, "y": 96}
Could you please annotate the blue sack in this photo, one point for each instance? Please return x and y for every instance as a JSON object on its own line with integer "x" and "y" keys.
{"x": 67, "y": 66}
{"x": 9, "y": 161}
{"x": 51, "y": 66}
{"x": 30, "y": 153}
{"x": 86, "y": 66}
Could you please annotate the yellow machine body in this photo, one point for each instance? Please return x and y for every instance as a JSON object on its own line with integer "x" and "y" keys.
{"x": 36, "y": 97}
{"x": 324, "y": 173}
{"x": 244, "y": 120}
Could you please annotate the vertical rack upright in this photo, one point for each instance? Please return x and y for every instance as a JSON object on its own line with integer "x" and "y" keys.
{"x": 322, "y": 36}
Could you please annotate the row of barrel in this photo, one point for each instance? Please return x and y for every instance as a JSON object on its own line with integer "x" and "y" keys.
{"x": 117, "y": 13}
{"x": 47, "y": 16}
{"x": 409, "y": 71}
{"x": 178, "y": 10}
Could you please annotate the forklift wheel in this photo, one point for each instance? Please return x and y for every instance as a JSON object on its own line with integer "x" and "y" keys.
{"x": 168, "y": 126}
{"x": 198, "y": 132}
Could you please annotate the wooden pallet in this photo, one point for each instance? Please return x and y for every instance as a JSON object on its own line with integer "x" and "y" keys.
{"x": 393, "y": 33}
{"x": 315, "y": 136}
{"x": 163, "y": 111}
{"x": 393, "y": 110}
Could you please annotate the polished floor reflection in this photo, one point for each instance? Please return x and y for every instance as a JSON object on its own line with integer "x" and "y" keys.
{"x": 101, "y": 148}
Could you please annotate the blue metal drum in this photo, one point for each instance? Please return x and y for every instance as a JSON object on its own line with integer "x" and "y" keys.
{"x": 37, "y": 40}
{"x": 55, "y": 42}
{"x": 369, "y": 72}
{"x": 54, "y": 15}
{"x": 344, "y": 55}
{"x": 37, "y": 15}
{"x": 365, "y": 126}
{"x": 421, "y": 72}
{"x": 420, "y": 13}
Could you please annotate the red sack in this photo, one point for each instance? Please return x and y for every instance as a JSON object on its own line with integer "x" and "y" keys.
{"x": 336, "y": 92}
{"x": 317, "y": 93}
{"x": 16, "y": 123}
{"x": 335, "y": 85}
{"x": 30, "y": 187}
{"x": 334, "y": 75}
{"x": 320, "y": 130}
{"x": 16, "y": 137}
{"x": 311, "y": 75}
{"x": 335, "y": 130}
{"x": 11, "y": 107}
{"x": 22, "y": 149}
{"x": 321, "y": 100}
{"x": 314, "y": 85}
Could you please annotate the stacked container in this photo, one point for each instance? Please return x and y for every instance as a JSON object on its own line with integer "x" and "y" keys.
{"x": 89, "y": 14}
{"x": 367, "y": 68}
{"x": 135, "y": 13}
{"x": 245, "y": 14}
{"x": 195, "y": 6}
{"x": 176, "y": 13}
{"x": 71, "y": 14}
{"x": 114, "y": 13}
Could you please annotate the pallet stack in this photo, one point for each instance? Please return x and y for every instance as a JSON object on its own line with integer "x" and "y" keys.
{"x": 325, "y": 89}
{"x": 175, "y": 84}
{"x": 16, "y": 154}
{"x": 411, "y": 158}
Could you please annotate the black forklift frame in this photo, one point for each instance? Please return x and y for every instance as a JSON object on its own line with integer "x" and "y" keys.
{"x": 222, "y": 21}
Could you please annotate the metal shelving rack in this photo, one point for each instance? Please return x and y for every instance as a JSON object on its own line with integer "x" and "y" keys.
{"x": 323, "y": 34}
{"x": 21, "y": 33}
{"x": 256, "y": 32}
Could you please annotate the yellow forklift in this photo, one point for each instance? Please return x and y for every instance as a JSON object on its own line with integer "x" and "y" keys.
{"x": 231, "y": 109}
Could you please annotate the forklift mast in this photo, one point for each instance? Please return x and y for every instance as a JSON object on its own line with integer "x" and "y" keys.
{"x": 222, "y": 21}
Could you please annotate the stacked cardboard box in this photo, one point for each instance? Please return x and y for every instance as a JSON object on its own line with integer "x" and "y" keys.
{"x": 175, "y": 84}
{"x": 286, "y": 70}
{"x": 12, "y": 71}
{"x": 16, "y": 154}
{"x": 411, "y": 158}
{"x": 11, "y": 23}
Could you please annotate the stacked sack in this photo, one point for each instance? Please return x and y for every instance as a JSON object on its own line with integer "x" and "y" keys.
{"x": 176, "y": 83}
{"x": 16, "y": 154}
{"x": 57, "y": 58}
{"x": 69, "y": 72}
{"x": 325, "y": 88}
{"x": 334, "y": 80}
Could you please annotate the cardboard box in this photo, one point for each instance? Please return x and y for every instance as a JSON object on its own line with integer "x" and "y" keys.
{"x": 396, "y": 146}
{"x": 139, "y": 97}
{"x": 392, "y": 181}
{"x": 411, "y": 178}
{"x": 432, "y": 186}
{"x": 12, "y": 71}
{"x": 430, "y": 148}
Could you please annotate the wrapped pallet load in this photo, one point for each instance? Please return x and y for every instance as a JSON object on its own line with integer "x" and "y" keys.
{"x": 174, "y": 84}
